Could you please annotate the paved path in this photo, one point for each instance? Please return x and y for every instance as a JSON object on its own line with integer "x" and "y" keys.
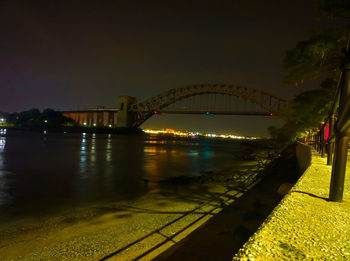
{"x": 305, "y": 225}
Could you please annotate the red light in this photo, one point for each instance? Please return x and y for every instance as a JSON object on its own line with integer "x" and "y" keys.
{"x": 155, "y": 112}
{"x": 326, "y": 134}
{"x": 271, "y": 114}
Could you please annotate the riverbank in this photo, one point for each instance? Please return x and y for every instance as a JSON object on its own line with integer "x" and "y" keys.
{"x": 305, "y": 225}
{"x": 126, "y": 230}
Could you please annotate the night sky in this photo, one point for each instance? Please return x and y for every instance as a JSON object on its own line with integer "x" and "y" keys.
{"x": 83, "y": 54}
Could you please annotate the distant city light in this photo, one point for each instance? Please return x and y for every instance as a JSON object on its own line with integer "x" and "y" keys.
{"x": 84, "y": 123}
{"x": 94, "y": 124}
{"x": 196, "y": 134}
{"x": 110, "y": 125}
{"x": 2, "y": 119}
{"x": 45, "y": 121}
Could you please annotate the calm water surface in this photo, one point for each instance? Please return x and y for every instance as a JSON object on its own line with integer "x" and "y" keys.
{"x": 44, "y": 173}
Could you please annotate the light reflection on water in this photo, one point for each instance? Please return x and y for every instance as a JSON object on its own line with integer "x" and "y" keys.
{"x": 2, "y": 143}
{"x": 93, "y": 150}
{"x": 193, "y": 153}
{"x": 109, "y": 148}
{"x": 3, "y": 188}
{"x": 83, "y": 156}
{"x": 68, "y": 170}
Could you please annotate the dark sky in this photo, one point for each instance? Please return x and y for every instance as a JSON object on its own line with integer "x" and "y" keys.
{"x": 83, "y": 54}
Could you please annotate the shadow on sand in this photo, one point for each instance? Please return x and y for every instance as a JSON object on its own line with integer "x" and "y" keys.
{"x": 207, "y": 205}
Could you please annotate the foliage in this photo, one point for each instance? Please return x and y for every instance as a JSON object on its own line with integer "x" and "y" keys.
{"x": 334, "y": 9}
{"x": 322, "y": 53}
{"x": 305, "y": 112}
{"x": 55, "y": 118}
{"x": 320, "y": 56}
{"x": 34, "y": 119}
{"x": 311, "y": 107}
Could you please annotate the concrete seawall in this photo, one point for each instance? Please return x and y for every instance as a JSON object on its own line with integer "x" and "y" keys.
{"x": 305, "y": 225}
{"x": 303, "y": 154}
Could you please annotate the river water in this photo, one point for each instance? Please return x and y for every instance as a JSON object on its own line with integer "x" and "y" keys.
{"x": 43, "y": 173}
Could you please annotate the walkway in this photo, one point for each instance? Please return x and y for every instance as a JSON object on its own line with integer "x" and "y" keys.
{"x": 305, "y": 225}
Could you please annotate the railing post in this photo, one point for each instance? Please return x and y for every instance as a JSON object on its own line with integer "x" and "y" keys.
{"x": 331, "y": 143}
{"x": 315, "y": 141}
{"x": 322, "y": 142}
{"x": 341, "y": 144}
{"x": 338, "y": 169}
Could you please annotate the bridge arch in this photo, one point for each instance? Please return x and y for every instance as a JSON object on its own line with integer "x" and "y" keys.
{"x": 138, "y": 113}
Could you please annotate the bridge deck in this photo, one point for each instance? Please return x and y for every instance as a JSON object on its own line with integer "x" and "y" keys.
{"x": 214, "y": 112}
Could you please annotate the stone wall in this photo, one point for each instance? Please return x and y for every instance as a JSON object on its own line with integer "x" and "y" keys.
{"x": 303, "y": 154}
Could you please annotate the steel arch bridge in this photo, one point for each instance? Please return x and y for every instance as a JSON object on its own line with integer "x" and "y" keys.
{"x": 132, "y": 113}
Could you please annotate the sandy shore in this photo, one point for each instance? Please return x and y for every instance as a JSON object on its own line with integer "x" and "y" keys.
{"x": 138, "y": 229}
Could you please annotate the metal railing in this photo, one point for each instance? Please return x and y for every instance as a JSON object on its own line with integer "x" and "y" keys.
{"x": 337, "y": 128}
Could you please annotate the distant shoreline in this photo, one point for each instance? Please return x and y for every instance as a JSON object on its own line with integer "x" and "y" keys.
{"x": 79, "y": 129}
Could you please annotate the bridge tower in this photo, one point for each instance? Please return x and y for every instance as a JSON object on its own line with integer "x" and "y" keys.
{"x": 125, "y": 117}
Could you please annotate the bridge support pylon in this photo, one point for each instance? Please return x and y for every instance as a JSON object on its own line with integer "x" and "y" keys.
{"x": 125, "y": 116}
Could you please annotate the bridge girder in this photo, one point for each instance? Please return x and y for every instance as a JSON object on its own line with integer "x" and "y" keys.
{"x": 142, "y": 111}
